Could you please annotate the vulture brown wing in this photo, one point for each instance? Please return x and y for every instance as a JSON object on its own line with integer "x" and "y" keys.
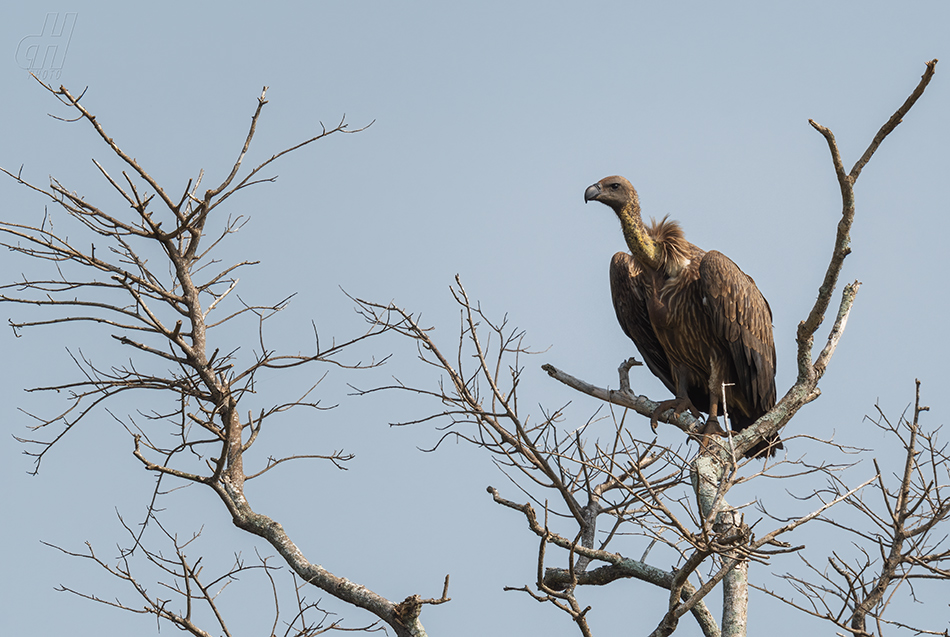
{"x": 628, "y": 287}
{"x": 741, "y": 317}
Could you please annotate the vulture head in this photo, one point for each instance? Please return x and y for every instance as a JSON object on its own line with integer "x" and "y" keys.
{"x": 614, "y": 191}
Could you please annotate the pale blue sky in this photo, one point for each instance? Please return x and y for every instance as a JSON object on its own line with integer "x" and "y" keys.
{"x": 490, "y": 121}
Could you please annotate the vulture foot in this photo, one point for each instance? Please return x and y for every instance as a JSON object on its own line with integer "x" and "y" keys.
{"x": 678, "y": 405}
{"x": 712, "y": 428}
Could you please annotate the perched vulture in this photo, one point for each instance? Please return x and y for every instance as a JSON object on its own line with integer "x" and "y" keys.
{"x": 697, "y": 319}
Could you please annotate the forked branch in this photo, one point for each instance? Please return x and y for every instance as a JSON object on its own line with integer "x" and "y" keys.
{"x": 140, "y": 276}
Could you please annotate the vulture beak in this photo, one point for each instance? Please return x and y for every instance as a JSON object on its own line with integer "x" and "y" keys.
{"x": 591, "y": 193}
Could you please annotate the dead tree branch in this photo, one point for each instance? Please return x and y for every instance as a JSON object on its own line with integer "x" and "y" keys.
{"x": 144, "y": 277}
{"x": 903, "y": 542}
{"x": 579, "y": 484}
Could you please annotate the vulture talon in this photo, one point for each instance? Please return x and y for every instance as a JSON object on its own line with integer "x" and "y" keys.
{"x": 712, "y": 428}
{"x": 678, "y": 405}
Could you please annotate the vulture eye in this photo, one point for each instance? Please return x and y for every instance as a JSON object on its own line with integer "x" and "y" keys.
{"x": 614, "y": 186}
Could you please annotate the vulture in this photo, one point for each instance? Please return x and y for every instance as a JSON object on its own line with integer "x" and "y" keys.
{"x": 697, "y": 319}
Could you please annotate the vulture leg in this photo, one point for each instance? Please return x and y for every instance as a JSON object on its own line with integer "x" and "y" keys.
{"x": 679, "y": 404}
{"x": 715, "y": 384}
{"x": 711, "y": 428}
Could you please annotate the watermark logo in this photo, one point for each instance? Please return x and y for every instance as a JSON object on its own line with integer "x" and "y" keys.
{"x": 44, "y": 54}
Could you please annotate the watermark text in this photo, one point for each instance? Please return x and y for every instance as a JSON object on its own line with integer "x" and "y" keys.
{"x": 44, "y": 54}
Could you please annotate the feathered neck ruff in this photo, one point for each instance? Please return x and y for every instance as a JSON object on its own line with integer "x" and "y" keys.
{"x": 673, "y": 249}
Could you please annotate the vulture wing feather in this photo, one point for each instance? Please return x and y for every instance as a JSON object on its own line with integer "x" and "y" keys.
{"x": 630, "y": 288}
{"x": 742, "y": 318}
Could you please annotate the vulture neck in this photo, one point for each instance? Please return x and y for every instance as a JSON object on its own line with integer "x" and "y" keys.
{"x": 643, "y": 248}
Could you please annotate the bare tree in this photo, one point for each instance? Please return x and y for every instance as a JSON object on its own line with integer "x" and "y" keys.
{"x": 150, "y": 277}
{"x": 595, "y": 495}
{"x": 155, "y": 285}
{"x": 901, "y": 518}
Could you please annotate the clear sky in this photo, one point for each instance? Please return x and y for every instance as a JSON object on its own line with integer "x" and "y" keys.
{"x": 490, "y": 121}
